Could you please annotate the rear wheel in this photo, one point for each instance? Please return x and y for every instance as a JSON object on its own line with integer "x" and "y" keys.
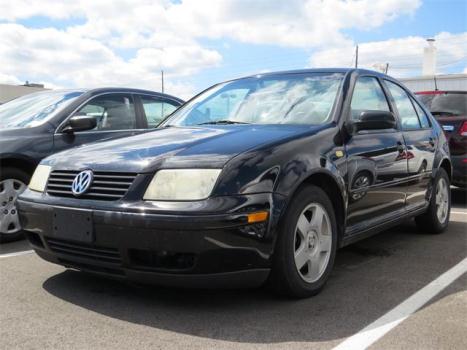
{"x": 306, "y": 245}
{"x": 436, "y": 218}
{"x": 12, "y": 183}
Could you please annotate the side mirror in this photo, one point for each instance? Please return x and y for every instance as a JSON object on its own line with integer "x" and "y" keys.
{"x": 374, "y": 120}
{"x": 80, "y": 122}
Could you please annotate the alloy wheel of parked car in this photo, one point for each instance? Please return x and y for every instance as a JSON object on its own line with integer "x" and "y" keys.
{"x": 10, "y": 189}
{"x": 12, "y": 184}
{"x": 436, "y": 218}
{"x": 306, "y": 245}
{"x": 442, "y": 200}
{"x": 312, "y": 242}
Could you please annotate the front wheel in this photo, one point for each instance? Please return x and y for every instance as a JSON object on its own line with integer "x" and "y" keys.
{"x": 12, "y": 183}
{"x": 436, "y": 218}
{"x": 306, "y": 245}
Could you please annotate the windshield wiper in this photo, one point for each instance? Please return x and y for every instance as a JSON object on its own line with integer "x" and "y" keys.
{"x": 224, "y": 122}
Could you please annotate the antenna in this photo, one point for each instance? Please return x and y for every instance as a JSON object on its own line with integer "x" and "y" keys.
{"x": 436, "y": 83}
{"x": 162, "y": 80}
{"x": 356, "y": 56}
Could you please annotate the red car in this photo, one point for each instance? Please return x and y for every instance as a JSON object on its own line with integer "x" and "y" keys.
{"x": 450, "y": 110}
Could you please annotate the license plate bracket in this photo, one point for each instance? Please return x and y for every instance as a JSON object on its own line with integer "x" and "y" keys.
{"x": 73, "y": 224}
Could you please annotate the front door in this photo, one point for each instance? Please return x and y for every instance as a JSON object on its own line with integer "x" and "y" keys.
{"x": 376, "y": 163}
{"x": 115, "y": 116}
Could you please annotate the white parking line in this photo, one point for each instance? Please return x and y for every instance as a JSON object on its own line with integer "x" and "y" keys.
{"x": 459, "y": 212}
{"x": 9, "y": 255}
{"x": 391, "y": 319}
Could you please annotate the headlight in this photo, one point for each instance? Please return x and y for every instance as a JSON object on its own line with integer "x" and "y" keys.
{"x": 182, "y": 184}
{"x": 39, "y": 178}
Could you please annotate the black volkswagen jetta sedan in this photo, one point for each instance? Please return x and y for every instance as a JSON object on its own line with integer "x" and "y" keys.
{"x": 253, "y": 180}
{"x": 37, "y": 125}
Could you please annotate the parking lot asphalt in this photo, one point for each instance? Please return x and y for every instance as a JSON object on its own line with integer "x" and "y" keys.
{"x": 46, "y": 306}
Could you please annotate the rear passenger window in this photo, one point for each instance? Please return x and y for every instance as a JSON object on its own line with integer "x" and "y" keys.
{"x": 407, "y": 114}
{"x": 156, "y": 110}
{"x": 368, "y": 95}
{"x": 421, "y": 115}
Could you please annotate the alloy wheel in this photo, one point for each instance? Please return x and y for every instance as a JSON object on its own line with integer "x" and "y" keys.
{"x": 312, "y": 242}
{"x": 442, "y": 200}
{"x": 10, "y": 189}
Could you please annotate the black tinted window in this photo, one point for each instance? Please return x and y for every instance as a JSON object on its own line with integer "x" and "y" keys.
{"x": 450, "y": 103}
{"x": 407, "y": 114}
{"x": 112, "y": 112}
{"x": 368, "y": 95}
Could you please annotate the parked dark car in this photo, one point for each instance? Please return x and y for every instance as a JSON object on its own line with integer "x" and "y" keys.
{"x": 248, "y": 182}
{"x": 39, "y": 124}
{"x": 450, "y": 110}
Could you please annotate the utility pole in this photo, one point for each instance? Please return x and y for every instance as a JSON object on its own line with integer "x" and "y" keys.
{"x": 162, "y": 80}
{"x": 356, "y": 56}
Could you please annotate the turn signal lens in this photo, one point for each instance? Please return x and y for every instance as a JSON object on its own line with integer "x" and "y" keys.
{"x": 257, "y": 217}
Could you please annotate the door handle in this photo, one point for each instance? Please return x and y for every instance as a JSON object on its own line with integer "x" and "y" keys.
{"x": 400, "y": 147}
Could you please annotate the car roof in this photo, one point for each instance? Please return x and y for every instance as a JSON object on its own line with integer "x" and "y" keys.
{"x": 130, "y": 90}
{"x": 321, "y": 70}
{"x": 96, "y": 91}
{"x": 436, "y": 92}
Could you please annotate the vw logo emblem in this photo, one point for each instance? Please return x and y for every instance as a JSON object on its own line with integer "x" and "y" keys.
{"x": 82, "y": 182}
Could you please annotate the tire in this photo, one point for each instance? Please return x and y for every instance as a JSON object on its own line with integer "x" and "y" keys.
{"x": 286, "y": 277}
{"x": 12, "y": 182}
{"x": 431, "y": 221}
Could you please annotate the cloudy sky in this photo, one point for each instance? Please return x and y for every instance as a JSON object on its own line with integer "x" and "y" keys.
{"x": 88, "y": 43}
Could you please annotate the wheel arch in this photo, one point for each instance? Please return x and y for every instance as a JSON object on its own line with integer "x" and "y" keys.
{"x": 330, "y": 185}
{"x": 447, "y": 166}
{"x": 25, "y": 164}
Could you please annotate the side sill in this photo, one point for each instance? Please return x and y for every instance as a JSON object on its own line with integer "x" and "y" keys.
{"x": 353, "y": 236}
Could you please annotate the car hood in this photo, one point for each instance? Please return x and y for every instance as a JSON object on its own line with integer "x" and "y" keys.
{"x": 174, "y": 147}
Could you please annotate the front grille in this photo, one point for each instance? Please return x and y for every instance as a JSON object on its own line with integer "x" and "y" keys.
{"x": 105, "y": 185}
{"x": 104, "y": 254}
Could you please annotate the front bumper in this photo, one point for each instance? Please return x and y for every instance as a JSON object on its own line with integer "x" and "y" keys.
{"x": 188, "y": 250}
{"x": 459, "y": 167}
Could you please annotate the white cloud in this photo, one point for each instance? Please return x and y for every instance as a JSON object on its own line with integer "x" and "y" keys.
{"x": 404, "y": 55}
{"x": 60, "y": 58}
{"x": 9, "y": 79}
{"x": 160, "y": 34}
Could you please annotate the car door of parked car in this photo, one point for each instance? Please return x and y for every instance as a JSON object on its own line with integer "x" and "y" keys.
{"x": 421, "y": 141}
{"x": 156, "y": 109}
{"x": 115, "y": 114}
{"x": 376, "y": 165}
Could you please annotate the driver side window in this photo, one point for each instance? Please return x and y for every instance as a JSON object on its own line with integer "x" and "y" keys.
{"x": 368, "y": 95}
{"x": 111, "y": 111}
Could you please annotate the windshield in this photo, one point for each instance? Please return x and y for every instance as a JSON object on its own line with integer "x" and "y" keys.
{"x": 449, "y": 103}
{"x": 34, "y": 109}
{"x": 280, "y": 99}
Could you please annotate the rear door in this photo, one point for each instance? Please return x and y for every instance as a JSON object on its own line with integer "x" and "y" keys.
{"x": 377, "y": 167}
{"x": 115, "y": 115}
{"x": 421, "y": 142}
